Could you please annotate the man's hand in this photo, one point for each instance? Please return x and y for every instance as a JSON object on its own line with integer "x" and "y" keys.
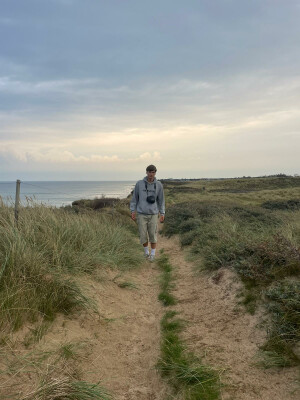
{"x": 162, "y": 218}
{"x": 133, "y": 216}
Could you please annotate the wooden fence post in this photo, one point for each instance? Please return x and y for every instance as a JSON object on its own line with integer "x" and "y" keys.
{"x": 17, "y": 201}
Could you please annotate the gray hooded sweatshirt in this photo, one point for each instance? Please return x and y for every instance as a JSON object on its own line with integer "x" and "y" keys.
{"x": 139, "y": 203}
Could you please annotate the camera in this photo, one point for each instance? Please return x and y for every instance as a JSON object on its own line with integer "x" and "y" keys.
{"x": 151, "y": 199}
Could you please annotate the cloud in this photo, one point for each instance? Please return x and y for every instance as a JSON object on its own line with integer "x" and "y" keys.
{"x": 66, "y": 157}
{"x": 67, "y": 86}
{"x": 95, "y": 84}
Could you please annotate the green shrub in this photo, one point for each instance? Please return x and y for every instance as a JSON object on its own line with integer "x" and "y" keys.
{"x": 176, "y": 215}
{"x": 97, "y": 204}
{"x": 290, "y": 205}
{"x": 268, "y": 260}
{"x": 284, "y": 306}
{"x": 187, "y": 238}
{"x": 252, "y": 216}
{"x": 184, "y": 217}
{"x": 189, "y": 225}
{"x": 259, "y": 254}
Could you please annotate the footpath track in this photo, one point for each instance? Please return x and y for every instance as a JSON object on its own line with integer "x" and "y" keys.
{"x": 223, "y": 333}
{"x": 122, "y": 342}
{"x": 125, "y": 340}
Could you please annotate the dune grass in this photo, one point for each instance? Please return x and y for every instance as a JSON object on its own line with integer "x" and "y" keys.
{"x": 42, "y": 261}
{"x": 49, "y": 374}
{"x": 67, "y": 389}
{"x": 41, "y": 257}
{"x": 253, "y": 226}
{"x": 245, "y": 191}
{"x": 166, "y": 285}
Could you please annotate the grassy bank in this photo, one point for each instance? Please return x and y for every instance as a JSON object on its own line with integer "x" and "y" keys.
{"x": 238, "y": 224}
{"x": 42, "y": 262}
{"x": 41, "y": 257}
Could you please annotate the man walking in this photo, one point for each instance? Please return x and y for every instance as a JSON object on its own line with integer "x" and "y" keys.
{"x": 147, "y": 201}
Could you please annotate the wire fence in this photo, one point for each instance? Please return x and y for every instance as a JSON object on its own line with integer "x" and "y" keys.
{"x": 11, "y": 196}
{"x": 54, "y": 193}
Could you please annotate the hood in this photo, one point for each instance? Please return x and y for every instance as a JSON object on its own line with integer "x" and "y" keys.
{"x": 145, "y": 179}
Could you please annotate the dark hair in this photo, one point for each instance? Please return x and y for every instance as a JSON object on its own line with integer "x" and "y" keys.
{"x": 151, "y": 167}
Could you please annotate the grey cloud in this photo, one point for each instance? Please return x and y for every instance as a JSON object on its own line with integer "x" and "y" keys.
{"x": 122, "y": 41}
{"x": 68, "y": 67}
{"x": 75, "y": 102}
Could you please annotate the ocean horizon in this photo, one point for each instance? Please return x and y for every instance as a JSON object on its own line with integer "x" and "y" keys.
{"x": 63, "y": 193}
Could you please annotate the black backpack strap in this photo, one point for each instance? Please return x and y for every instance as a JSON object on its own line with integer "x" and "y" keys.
{"x": 147, "y": 187}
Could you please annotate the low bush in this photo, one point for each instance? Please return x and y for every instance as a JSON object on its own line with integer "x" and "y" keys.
{"x": 283, "y": 304}
{"x": 184, "y": 217}
{"x": 97, "y": 204}
{"x": 290, "y": 205}
{"x": 187, "y": 238}
{"x": 263, "y": 248}
{"x": 268, "y": 260}
{"x": 261, "y": 258}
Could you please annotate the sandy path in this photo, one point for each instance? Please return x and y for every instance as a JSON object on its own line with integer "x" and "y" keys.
{"x": 123, "y": 344}
{"x": 226, "y": 335}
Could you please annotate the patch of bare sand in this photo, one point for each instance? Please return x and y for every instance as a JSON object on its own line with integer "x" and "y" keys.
{"x": 227, "y": 336}
{"x": 127, "y": 340}
{"x": 121, "y": 344}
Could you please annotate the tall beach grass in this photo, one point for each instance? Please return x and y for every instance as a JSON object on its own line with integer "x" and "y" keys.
{"x": 42, "y": 255}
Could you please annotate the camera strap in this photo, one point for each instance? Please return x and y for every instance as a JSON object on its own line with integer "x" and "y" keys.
{"x": 147, "y": 188}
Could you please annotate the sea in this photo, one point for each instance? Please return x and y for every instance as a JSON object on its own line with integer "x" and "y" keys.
{"x": 59, "y": 193}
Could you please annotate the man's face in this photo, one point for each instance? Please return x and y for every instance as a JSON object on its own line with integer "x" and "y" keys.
{"x": 150, "y": 175}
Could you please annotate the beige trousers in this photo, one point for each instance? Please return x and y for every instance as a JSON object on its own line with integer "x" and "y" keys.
{"x": 147, "y": 224}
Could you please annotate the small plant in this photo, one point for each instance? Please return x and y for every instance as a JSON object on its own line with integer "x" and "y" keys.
{"x": 171, "y": 324}
{"x": 36, "y": 334}
{"x": 69, "y": 351}
{"x": 250, "y": 301}
{"x": 167, "y": 299}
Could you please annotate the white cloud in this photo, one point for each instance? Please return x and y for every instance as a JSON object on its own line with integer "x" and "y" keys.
{"x": 67, "y": 157}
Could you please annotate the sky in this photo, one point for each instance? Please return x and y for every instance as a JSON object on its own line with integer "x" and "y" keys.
{"x": 98, "y": 89}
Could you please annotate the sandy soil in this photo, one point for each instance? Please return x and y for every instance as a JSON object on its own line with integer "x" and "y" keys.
{"x": 225, "y": 334}
{"x": 121, "y": 343}
{"x": 126, "y": 346}
{"x": 119, "y": 347}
